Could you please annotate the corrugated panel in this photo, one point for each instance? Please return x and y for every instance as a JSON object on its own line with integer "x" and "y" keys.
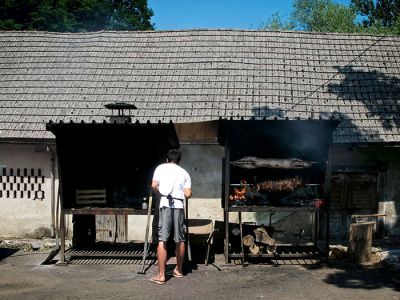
{"x": 338, "y": 226}
{"x": 354, "y": 191}
{"x": 338, "y": 191}
{"x": 363, "y": 191}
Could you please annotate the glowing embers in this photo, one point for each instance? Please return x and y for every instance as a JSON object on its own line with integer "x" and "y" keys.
{"x": 246, "y": 194}
{"x": 290, "y": 191}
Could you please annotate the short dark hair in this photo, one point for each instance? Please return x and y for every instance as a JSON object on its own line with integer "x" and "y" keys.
{"x": 174, "y": 155}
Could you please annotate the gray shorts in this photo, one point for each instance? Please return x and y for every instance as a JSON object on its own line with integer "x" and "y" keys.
{"x": 171, "y": 217}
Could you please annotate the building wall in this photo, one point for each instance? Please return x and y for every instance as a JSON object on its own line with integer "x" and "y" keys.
{"x": 25, "y": 200}
{"x": 391, "y": 199}
{"x": 204, "y": 164}
{"x": 26, "y": 216}
{"x": 382, "y": 162}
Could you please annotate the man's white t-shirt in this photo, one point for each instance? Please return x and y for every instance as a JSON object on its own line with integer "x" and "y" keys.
{"x": 172, "y": 180}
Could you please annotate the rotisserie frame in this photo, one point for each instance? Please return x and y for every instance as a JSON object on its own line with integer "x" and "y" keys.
{"x": 273, "y": 151}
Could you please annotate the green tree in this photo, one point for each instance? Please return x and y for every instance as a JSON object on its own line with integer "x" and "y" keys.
{"x": 276, "y": 22}
{"x": 323, "y": 16}
{"x": 378, "y": 16}
{"x": 75, "y": 15}
{"x": 363, "y": 16}
{"x": 316, "y": 15}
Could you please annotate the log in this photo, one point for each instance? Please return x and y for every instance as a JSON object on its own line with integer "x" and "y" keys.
{"x": 254, "y": 249}
{"x": 360, "y": 242}
{"x": 263, "y": 237}
{"x": 251, "y": 162}
{"x": 270, "y": 249}
{"x": 248, "y": 240}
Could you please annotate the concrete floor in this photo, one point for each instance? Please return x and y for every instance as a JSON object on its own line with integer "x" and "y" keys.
{"x": 23, "y": 277}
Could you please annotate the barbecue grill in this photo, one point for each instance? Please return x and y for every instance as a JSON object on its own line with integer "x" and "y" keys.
{"x": 274, "y": 166}
{"x": 105, "y": 169}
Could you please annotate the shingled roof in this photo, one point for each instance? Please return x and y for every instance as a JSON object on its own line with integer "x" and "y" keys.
{"x": 199, "y": 75}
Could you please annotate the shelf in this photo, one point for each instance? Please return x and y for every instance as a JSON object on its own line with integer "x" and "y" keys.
{"x": 271, "y": 255}
{"x": 285, "y": 251}
{"x": 272, "y": 209}
{"x": 105, "y": 211}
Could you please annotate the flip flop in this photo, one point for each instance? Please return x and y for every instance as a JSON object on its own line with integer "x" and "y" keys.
{"x": 177, "y": 275}
{"x": 156, "y": 279}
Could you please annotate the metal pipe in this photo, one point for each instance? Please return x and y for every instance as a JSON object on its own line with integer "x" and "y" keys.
{"x": 57, "y": 221}
{"x": 53, "y": 197}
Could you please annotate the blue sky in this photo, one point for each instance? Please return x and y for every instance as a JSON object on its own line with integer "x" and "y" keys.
{"x": 223, "y": 14}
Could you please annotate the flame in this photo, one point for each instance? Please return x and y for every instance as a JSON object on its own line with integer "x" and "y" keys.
{"x": 239, "y": 192}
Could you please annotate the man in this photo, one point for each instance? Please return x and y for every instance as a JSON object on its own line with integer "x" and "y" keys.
{"x": 173, "y": 185}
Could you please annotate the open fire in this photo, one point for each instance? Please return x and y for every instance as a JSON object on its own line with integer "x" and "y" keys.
{"x": 277, "y": 191}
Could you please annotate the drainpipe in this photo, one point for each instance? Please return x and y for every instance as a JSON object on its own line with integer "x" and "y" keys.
{"x": 52, "y": 160}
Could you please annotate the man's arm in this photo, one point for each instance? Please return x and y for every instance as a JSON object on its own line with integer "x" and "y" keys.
{"x": 187, "y": 193}
{"x": 154, "y": 186}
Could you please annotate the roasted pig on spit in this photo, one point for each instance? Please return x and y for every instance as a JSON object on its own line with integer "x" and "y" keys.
{"x": 283, "y": 185}
{"x": 251, "y": 162}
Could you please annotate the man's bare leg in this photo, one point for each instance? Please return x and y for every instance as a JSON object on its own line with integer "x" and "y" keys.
{"x": 162, "y": 259}
{"x": 180, "y": 256}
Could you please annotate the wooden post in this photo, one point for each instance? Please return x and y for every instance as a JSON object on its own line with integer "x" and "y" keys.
{"x": 360, "y": 242}
{"x": 327, "y": 196}
{"x": 241, "y": 236}
{"x": 62, "y": 212}
{"x": 226, "y": 194}
{"x": 62, "y": 224}
{"x": 62, "y": 235}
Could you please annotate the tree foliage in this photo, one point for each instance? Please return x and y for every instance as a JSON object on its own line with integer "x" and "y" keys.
{"x": 362, "y": 16}
{"x": 382, "y": 16}
{"x": 75, "y": 15}
{"x": 322, "y": 15}
{"x": 276, "y": 22}
{"x": 316, "y": 15}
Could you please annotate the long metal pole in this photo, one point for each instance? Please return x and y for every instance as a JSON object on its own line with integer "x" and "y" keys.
{"x": 189, "y": 250}
{"x": 146, "y": 237}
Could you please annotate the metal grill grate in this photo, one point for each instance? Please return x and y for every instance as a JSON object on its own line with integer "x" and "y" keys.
{"x": 124, "y": 253}
{"x": 298, "y": 251}
{"x": 283, "y": 255}
{"x": 107, "y": 261}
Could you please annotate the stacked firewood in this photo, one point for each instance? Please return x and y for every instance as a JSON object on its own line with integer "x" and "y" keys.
{"x": 260, "y": 243}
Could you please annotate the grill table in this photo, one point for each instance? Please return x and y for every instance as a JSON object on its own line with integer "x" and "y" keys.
{"x": 107, "y": 251}
{"x": 105, "y": 169}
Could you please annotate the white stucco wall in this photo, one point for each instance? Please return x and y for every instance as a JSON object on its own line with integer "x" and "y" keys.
{"x": 25, "y": 216}
{"x": 391, "y": 203}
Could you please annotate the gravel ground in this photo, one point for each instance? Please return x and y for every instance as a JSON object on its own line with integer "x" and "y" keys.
{"x": 23, "y": 277}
